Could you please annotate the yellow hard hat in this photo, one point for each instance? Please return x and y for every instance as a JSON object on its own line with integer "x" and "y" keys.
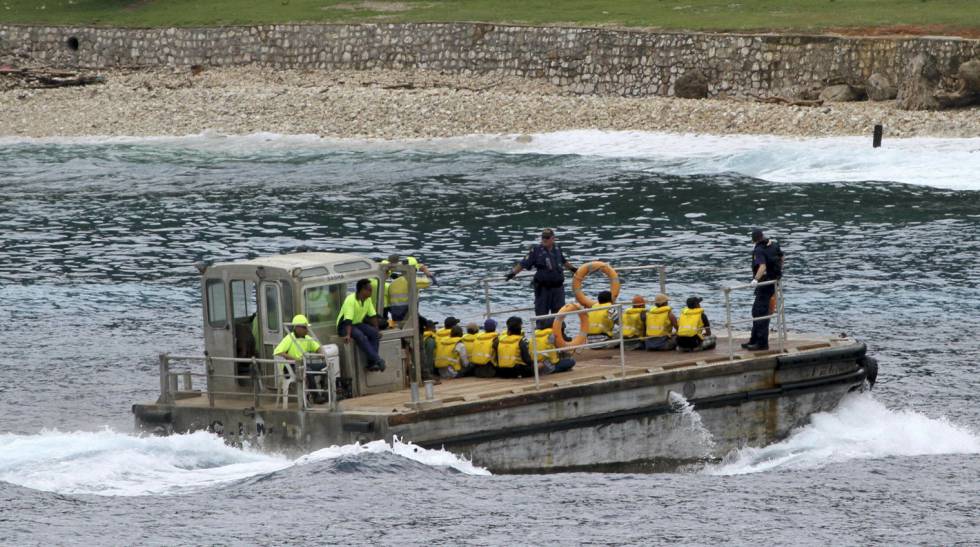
{"x": 300, "y": 320}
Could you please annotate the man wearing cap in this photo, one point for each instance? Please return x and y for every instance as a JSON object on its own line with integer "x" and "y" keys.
{"x": 767, "y": 265}
{"x": 660, "y": 326}
{"x": 294, "y": 345}
{"x": 693, "y": 328}
{"x": 358, "y": 321}
{"x": 548, "y": 261}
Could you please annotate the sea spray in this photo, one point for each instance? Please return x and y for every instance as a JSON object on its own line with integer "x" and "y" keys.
{"x": 700, "y": 443}
{"x": 114, "y": 464}
{"x": 859, "y": 428}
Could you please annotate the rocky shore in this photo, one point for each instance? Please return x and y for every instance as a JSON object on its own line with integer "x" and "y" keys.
{"x": 394, "y": 104}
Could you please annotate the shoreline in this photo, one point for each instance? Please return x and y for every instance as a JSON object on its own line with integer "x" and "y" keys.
{"x": 392, "y": 104}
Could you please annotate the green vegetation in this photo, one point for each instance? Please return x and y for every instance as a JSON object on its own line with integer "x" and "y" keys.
{"x": 914, "y": 16}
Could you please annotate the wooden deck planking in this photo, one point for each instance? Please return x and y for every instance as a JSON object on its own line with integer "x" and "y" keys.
{"x": 591, "y": 366}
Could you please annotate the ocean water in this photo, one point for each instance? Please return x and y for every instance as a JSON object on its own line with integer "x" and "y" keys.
{"x": 98, "y": 237}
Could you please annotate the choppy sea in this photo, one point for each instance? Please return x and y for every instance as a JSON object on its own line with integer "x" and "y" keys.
{"x": 97, "y": 238}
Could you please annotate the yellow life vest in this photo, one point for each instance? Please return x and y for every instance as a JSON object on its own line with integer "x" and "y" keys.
{"x": 690, "y": 322}
{"x": 599, "y": 321}
{"x": 509, "y": 350}
{"x": 632, "y": 322}
{"x": 543, "y": 340}
{"x": 446, "y": 354}
{"x": 469, "y": 341}
{"x": 658, "y": 321}
{"x": 442, "y": 333}
{"x": 482, "y": 353}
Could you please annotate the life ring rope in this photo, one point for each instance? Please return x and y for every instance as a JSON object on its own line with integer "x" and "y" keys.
{"x": 591, "y": 267}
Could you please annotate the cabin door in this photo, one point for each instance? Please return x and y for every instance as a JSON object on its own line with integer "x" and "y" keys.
{"x": 270, "y": 317}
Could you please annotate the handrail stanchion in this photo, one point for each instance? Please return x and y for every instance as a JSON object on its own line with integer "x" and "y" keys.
{"x": 253, "y": 371}
{"x": 782, "y": 315}
{"x": 300, "y": 384}
{"x": 622, "y": 343}
{"x": 165, "y": 396}
{"x": 209, "y": 370}
{"x": 662, "y": 270}
{"x": 728, "y": 323}
{"x": 486, "y": 295}
{"x": 534, "y": 354}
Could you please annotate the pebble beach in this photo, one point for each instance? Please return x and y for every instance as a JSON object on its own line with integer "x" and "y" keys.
{"x": 417, "y": 104}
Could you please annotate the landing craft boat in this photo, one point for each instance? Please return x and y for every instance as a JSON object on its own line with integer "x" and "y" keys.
{"x": 615, "y": 409}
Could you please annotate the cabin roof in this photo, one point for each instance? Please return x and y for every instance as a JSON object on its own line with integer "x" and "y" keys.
{"x": 297, "y": 260}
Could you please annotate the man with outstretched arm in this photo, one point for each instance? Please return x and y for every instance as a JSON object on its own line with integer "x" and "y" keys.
{"x": 548, "y": 261}
{"x": 358, "y": 320}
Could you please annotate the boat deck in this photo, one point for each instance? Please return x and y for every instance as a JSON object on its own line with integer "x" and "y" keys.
{"x": 591, "y": 366}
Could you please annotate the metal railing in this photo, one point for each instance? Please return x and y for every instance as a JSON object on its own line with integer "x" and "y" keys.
{"x": 778, "y": 314}
{"x": 621, "y": 341}
{"x": 169, "y": 384}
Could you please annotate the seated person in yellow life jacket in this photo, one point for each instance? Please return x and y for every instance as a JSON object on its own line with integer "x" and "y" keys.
{"x": 358, "y": 321}
{"x": 693, "y": 328}
{"x": 429, "y": 351}
{"x": 294, "y": 345}
{"x": 482, "y": 355}
{"x": 512, "y": 351}
{"x": 452, "y": 361}
{"x": 603, "y": 324}
{"x": 447, "y": 327}
{"x": 634, "y": 322}
{"x": 552, "y": 361}
{"x": 660, "y": 326}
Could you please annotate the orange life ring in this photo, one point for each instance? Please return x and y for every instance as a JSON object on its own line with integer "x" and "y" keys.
{"x": 583, "y": 319}
{"x": 586, "y": 269}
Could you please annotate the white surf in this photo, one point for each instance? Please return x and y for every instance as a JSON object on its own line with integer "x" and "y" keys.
{"x": 859, "y": 428}
{"x": 115, "y": 464}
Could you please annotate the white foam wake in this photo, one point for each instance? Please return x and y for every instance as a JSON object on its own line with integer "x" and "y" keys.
{"x": 114, "y": 464}
{"x": 949, "y": 163}
{"x": 859, "y": 428}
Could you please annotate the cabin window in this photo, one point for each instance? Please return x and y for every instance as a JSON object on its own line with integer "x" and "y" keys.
{"x": 217, "y": 312}
{"x": 242, "y": 299}
{"x": 322, "y": 303}
{"x": 272, "y": 308}
{"x": 356, "y": 266}
{"x": 287, "y": 299}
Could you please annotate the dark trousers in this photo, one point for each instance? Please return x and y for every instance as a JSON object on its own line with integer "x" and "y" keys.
{"x": 368, "y": 339}
{"x": 524, "y": 371}
{"x": 760, "y": 308}
{"x": 547, "y": 300}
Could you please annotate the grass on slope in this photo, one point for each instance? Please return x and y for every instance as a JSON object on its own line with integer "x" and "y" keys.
{"x": 907, "y": 16}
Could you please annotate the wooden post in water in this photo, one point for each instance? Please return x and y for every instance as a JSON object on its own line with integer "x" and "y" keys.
{"x": 876, "y": 139}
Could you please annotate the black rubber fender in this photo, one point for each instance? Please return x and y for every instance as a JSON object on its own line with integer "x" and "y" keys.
{"x": 153, "y": 415}
{"x": 870, "y": 365}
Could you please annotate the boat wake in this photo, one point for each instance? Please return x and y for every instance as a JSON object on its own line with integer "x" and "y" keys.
{"x": 108, "y": 463}
{"x": 859, "y": 428}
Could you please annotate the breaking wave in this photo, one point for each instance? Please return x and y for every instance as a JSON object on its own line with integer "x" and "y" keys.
{"x": 860, "y": 428}
{"x": 948, "y": 163}
{"x": 108, "y": 463}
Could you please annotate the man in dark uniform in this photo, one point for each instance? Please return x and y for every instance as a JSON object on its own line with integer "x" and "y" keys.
{"x": 549, "y": 280}
{"x": 767, "y": 265}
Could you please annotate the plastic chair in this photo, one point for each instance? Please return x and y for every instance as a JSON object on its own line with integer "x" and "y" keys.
{"x": 283, "y": 381}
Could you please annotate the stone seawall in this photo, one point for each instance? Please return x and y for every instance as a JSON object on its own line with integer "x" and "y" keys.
{"x": 579, "y": 60}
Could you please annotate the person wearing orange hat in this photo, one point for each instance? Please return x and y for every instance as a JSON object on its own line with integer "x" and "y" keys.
{"x": 634, "y": 321}
{"x": 661, "y": 323}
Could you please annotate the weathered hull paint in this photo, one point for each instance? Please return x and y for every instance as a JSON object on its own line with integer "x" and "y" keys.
{"x": 615, "y": 422}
